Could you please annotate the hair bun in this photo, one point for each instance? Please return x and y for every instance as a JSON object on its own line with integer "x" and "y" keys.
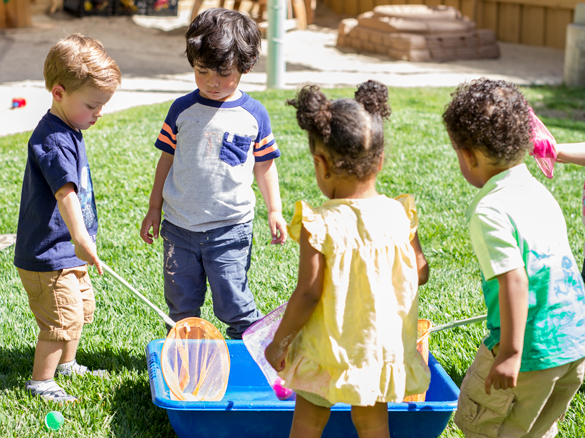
{"x": 313, "y": 111}
{"x": 374, "y": 97}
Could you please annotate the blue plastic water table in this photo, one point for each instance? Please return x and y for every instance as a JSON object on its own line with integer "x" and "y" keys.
{"x": 250, "y": 409}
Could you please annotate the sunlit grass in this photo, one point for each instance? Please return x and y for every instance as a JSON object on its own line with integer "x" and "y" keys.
{"x": 419, "y": 160}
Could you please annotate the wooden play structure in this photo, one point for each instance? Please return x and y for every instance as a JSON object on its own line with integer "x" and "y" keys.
{"x": 532, "y": 22}
{"x": 15, "y": 13}
{"x": 417, "y": 33}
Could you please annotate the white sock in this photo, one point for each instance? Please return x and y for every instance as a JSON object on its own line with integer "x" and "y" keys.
{"x": 66, "y": 365}
{"x": 36, "y": 383}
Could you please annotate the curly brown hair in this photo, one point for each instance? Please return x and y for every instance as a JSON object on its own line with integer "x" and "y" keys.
{"x": 492, "y": 116}
{"x": 351, "y": 130}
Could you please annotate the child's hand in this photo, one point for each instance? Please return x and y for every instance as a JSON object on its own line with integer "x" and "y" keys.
{"x": 151, "y": 220}
{"x": 86, "y": 251}
{"x": 275, "y": 356}
{"x": 277, "y": 226}
{"x": 504, "y": 372}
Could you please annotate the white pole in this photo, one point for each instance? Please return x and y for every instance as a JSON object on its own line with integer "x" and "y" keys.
{"x": 275, "y": 66}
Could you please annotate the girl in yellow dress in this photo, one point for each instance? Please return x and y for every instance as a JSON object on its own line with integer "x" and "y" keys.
{"x": 349, "y": 331}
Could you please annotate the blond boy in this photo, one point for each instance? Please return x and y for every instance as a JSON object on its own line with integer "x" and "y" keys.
{"x": 58, "y": 224}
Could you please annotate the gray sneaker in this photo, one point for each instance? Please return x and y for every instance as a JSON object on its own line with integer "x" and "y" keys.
{"x": 50, "y": 390}
{"x": 73, "y": 368}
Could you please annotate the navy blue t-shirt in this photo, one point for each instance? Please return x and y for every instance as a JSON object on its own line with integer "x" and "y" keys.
{"x": 56, "y": 156}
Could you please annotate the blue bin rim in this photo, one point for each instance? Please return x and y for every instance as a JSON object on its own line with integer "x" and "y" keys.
{"x": 158, "y": 389}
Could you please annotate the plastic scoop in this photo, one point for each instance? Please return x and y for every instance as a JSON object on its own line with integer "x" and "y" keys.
{"x": 195, "y": 360}
{"x": 544, "y": 151}
{"x": 256, "y": 338}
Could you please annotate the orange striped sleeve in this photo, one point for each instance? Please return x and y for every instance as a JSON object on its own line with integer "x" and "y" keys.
{"x": 169, "y": 131}
{"x": 266, "y": 151}
{"x": 264, "y": 141}
{"x": 167, "y": 140}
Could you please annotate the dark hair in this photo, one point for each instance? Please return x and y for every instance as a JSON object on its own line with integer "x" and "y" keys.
{"x": 351, "y": 130}
{"x": 220, "y": 38}
{"x": 492, "y": 116}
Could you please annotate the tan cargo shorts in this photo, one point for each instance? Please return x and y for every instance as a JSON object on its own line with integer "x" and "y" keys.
{"x": 62, "y": 301}
{"x": 531, "y": 409}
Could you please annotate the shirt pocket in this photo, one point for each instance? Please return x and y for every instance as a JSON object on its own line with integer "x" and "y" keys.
{"x": 234, "y": 149}
{"x": 480, "y": 413}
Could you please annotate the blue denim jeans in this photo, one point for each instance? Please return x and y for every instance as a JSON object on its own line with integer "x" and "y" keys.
{"x": 220, "y": 256}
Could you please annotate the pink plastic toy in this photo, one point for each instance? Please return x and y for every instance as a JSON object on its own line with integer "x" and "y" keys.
{"x": 544, "y": 151}
{"x": 281, "y": 392}
{"x": 256, "y": 338}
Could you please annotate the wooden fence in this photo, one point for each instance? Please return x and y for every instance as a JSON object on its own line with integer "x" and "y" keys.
{"x": 15, "y": 13}
{"x": 533, "y": 22}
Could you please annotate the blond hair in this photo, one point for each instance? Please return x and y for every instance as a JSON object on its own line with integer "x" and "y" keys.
{"x": 78, "y": 61}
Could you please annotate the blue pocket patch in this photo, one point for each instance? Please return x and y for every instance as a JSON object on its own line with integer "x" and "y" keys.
{"x": 234, "y": 151}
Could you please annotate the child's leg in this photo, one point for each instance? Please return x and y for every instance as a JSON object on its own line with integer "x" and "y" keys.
{"x": 49, "y": 354}
{"x": 514, "y": 412}
{"x": 371, "y": 421}
{"x": 309, "y": 420}
{"x": 62, "y": 302}
{"x": 184, "y": 274}
{"x": 226, "y": 258}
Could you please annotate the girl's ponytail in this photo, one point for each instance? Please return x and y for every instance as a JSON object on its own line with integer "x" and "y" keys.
{"x": 313, "y": 111}
{"x": 374, "y": 97}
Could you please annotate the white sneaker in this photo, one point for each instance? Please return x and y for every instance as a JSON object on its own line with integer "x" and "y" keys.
{"x": 50, "y": 390}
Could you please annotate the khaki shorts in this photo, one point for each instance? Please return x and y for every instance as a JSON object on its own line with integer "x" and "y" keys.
{"x": 531, "y": 409}
{"x": 62, "y": 301}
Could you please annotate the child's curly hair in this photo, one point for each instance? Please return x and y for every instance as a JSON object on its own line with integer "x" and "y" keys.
{"x": 351, "y": 130}
{"x": 492, "y": 116}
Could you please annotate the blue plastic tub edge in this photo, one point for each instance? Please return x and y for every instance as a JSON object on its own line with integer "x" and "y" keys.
{"x": 242, "y": 417}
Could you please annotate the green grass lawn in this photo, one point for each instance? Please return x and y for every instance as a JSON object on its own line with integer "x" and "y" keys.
{"x": 419, "y": 160}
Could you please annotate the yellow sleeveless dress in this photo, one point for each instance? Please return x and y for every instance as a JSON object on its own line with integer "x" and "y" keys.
{"x": 359, "y": 346}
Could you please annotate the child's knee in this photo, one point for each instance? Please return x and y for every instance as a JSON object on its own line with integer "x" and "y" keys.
{"x": 370, "y": 417}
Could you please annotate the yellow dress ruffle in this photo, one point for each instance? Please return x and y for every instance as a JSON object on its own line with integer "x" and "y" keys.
{"x": 359, "y": 346}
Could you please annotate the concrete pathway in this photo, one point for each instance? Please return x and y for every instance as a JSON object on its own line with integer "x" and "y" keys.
{"x": 154, "y": 69}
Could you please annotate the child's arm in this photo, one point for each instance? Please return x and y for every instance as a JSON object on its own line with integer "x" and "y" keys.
{"x": 302, "y": 302}
{"x": 513, "y": 298}
{"x": 70, "y": 209}
{"x": 421, "y": 261}
{"x": 571, "y": 153}
{"x": 267, "y": 179}
{"x": 152, "y": 218}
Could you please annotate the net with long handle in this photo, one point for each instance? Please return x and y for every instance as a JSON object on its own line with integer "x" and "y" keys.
{"x": 544, "y": 150}
{"x": 195, "y": 360}
{"x": 256, "y": 338}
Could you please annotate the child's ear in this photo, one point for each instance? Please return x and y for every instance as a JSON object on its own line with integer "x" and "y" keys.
{"x": 469, "y": 157}
{"x": 321, "y": 166}
{"x": 381, "y": 163}
{"x": 58, "y": 92}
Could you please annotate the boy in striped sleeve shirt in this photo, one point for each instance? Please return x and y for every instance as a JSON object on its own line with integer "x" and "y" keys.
{"x": 214, "y": 142}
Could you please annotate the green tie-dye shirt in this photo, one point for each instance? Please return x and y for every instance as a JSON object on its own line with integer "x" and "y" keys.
{"x": 514, "y": 222}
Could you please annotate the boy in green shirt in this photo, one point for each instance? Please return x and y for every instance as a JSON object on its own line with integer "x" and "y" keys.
{"x": 534, "y": 354}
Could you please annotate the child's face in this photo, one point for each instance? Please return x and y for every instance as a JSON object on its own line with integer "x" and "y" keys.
{"x": 81, "y": 108}
{"x": 219, "y": 85}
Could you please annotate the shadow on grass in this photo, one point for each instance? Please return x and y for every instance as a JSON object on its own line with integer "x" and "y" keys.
{"x": 136, "y": 415}
{"x": 18, "y": 363}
